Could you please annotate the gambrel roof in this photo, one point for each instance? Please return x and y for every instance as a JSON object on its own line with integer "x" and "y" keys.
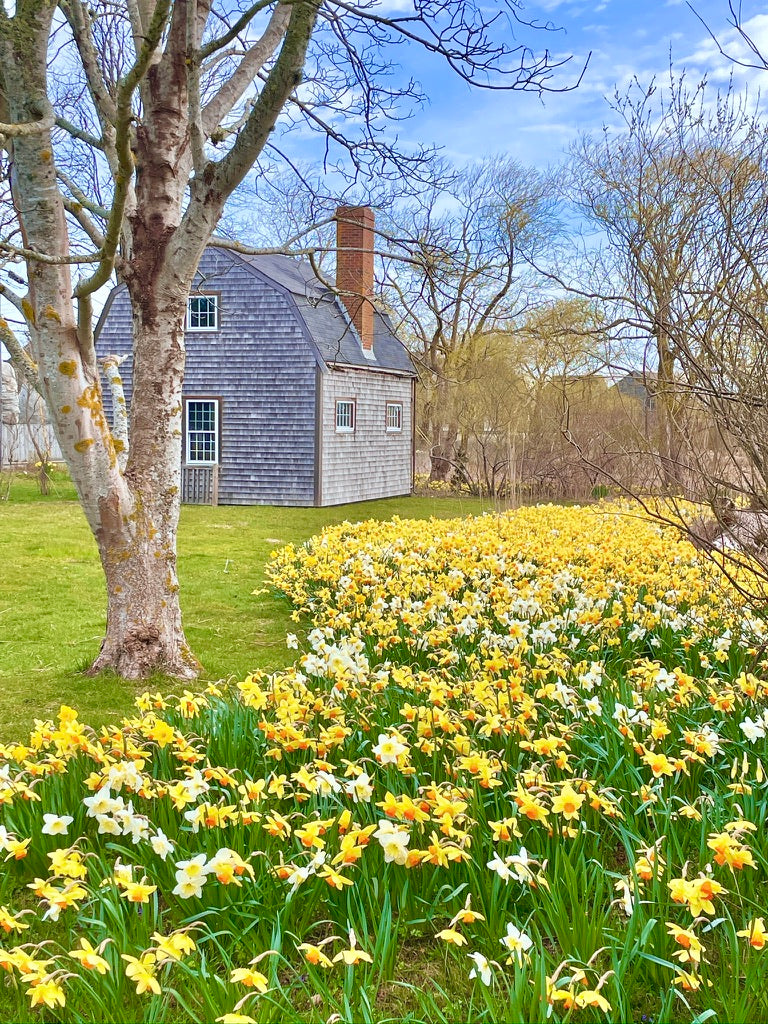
{"x": 328, "y": 325}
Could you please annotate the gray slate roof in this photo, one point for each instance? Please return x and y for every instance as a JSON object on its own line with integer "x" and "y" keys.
{"x": 326, "y": 318}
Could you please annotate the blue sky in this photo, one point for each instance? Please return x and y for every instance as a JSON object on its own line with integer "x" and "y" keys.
{"x": 626, "y": 37}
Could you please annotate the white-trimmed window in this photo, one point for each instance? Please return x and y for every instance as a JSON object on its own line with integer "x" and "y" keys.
{"x": 202, "y": 431}
{"x": 203, "y": 313}
{"x": 345, "y": 415}
{"x": 394, "y": 417}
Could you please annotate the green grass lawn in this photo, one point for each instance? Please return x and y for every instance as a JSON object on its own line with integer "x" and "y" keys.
{"x": 52, "y": 600}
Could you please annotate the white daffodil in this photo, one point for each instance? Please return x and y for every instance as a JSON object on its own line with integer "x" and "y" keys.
{"x": 500, "y": 867}
{"x": 359, "y": 788}
{"x": 161, "y": 844}
{"x": 191, "y": 876}
{"x": 55, "y": 824}
{"x": 388, "y": 749}
{"x": 517, "y": 942}
{"x": 753, "y": 731}
{"x": 108, "y": 826}
{"x": 393, "y": 841}
{"x": 102, "y": 802}
{"x": 482, "y": 968}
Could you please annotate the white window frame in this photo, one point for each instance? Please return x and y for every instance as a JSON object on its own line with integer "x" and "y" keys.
{"x": 345, "y": 428}
{"x": 188, "y": 459}
{"x": 203, "y": 295}
{"x": 394, "y": 428}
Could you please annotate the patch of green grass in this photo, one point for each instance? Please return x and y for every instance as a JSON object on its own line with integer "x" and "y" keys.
{"x": 53, "y": 603}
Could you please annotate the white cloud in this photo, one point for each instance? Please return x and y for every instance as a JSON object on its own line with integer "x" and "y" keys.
{"x": 734, "y": 46}
{"x": 395, "y": 7}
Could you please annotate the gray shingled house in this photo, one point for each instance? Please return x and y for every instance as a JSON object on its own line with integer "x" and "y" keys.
{"x": 292, "y": 395}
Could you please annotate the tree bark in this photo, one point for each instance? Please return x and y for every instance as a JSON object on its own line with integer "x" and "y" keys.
{"x": 144, "y": 630}
{"x": 110, "y": 366}
{"x": 137, "y": 527}
{"x": 442, "y": 454}
{"x": 444, "y": 433}
{"x": 133, "y": 515}
{"x": 670, "y": 441}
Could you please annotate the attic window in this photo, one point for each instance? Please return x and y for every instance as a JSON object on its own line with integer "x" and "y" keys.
{"x": 203, "y": 313}
{"x": 345, "y": 416}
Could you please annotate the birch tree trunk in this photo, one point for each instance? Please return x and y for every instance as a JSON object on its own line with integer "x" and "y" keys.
{"x": 137, "y": 530}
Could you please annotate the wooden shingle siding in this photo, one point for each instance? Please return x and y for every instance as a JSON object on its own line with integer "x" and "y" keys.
{"x": 368, "y": 462}
{"x": 261, "y": 368}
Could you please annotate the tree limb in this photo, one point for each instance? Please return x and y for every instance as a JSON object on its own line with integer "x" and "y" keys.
{"x": 21, "y": 360}
{"x": 79, "y": 133}
{"x": 474, "y": 63}
{"x": 12, "y": 297}
{"x": 123, "y": 177}
{"x": 254, "y": 60}
{"x": 110, "y": 366}
{"x": 76, "y": 210}
{"x": 194, "y": 105}
{"x": 16, "y": 131}
{"x": 242, "y": 22}
{"x": 47, "y": 258}
{"x": 136, "y": 18}
{"x": 283, "y": 78}
{"x": 80, "y": 197}
{"x": 80, "y": 23}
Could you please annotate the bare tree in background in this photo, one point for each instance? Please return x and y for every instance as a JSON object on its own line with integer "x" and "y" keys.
{"x": 634, "y": 186}
{"x": 523, "y": 390}
{"x": 681, "y": 197}
{"x": 561, "y": 351}
{"x": 464, "y": 277}
{"x": 123, "y": 157}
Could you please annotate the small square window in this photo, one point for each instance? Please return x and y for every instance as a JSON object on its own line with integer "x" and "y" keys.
{"x": 394, "y": 417}
{"x": 345, "y": 416}
{"x": 203, "y": 313}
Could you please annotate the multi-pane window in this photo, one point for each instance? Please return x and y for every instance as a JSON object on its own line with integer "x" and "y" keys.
{"x": 394, "y": 416}
{"x": 345, "y": 415}
{"x": 202, "y": 313}
{"x": 202, "y": 431}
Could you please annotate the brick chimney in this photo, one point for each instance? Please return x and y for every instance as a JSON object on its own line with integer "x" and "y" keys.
{"x": 354, "y": 267}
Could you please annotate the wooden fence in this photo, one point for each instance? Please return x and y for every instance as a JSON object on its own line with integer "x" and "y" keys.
{"x": 200, "y": 485}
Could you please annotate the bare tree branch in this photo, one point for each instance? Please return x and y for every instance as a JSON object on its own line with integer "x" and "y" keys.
{"x": 110, "y": 366}
{"x": 123, "y": 119}
{"x": 47, "y": 258}
{"x": 28, "y": 128}
{"x": 21, "y": 360}
{"x": 257, "y": 55}
{"x": 79, "y": 133}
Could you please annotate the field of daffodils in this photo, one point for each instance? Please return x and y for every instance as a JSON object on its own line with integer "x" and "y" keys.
{"x": 516, "y": 773}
